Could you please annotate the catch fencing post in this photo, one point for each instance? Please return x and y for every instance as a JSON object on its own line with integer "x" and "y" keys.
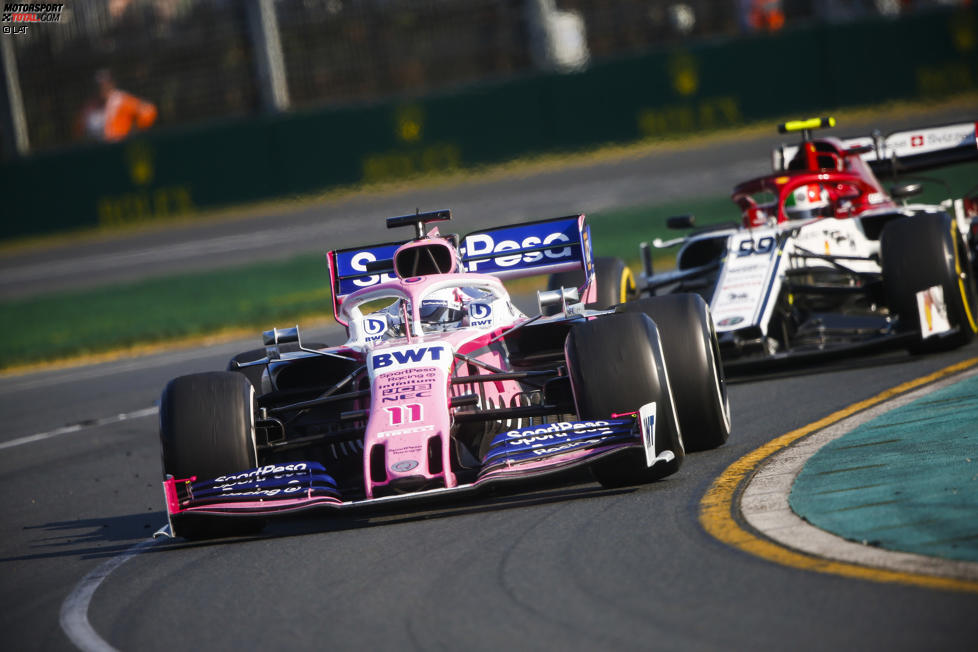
{"x": 13, "y": 116}
{"x": 263, "y": 28}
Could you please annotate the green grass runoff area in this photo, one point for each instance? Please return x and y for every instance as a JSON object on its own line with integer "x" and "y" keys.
{"x": 259, "y": 296}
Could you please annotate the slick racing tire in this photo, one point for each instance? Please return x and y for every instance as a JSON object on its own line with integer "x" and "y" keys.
{"x": 689, "y": 344}
{"x": 615, "y": 283}
{"x": 616, "y": 366}
{"x": 254, "y": 373}
{"x": 922, "y": 251}
{"x": 207, "y": 429}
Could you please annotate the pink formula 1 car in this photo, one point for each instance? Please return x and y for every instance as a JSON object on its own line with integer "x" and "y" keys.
{"x": 444, "y": 386}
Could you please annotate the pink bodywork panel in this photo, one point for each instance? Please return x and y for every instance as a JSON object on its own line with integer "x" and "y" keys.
{"x": 409, "y": 409}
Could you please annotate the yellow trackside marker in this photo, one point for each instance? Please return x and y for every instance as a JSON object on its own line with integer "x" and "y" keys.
{"x": 717, "y": 506}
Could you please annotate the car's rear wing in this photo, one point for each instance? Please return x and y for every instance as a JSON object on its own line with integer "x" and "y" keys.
{"x": 902, "y": 152}
{"x": 551, "y": 246}
{"x": 360, "y": 267}
{"x": 542, "y": 247}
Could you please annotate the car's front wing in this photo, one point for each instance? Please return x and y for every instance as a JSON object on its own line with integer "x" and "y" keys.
{"x": 519, "y": 454}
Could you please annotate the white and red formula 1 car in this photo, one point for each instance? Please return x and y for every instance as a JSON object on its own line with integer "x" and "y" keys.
{"x": 825, "y": 262}
{"x": 443, "y": 386}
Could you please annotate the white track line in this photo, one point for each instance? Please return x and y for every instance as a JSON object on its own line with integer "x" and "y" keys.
{"x": 765, "y": 506}
{"x": 74, "y": 610}
{"x": 65, "y": 430}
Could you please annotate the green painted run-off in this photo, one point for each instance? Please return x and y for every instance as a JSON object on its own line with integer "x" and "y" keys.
{"x": 906, "y": 480}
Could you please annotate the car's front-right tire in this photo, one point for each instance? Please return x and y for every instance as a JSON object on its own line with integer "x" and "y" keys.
{"x": 207, "y": 430}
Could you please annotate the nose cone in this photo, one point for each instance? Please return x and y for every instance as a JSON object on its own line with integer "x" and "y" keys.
{"x": 407, "y": 438}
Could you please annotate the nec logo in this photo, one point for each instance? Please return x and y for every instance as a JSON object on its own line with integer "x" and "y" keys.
{"x": 481, "y": 244}
{"x": 405, "y": 356}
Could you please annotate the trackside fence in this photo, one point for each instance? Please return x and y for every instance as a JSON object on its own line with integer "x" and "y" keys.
{"x": 709, "y": 85}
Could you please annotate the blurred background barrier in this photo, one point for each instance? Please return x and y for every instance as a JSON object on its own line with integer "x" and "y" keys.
{"x": 266, "y": 99}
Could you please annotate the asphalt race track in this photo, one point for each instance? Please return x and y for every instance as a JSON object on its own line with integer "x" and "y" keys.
{"x": 572, "y": 567}
{"x": 568, "y": 567}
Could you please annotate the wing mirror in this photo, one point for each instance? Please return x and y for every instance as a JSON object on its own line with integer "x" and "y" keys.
{"x": 561, "y": 297}
{"x": 906, "y": 190}
{"x": 681, "y": 222}
{"x": 277, "y": 336}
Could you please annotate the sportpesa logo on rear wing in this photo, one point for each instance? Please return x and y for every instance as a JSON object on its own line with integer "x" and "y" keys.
{"x": 542, "y": 247}
{"x": 362, "y": 267}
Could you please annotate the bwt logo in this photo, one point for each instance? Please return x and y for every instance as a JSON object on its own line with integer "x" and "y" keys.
{"x": 404, "y": 356}
{"x": 480, "y": 310}
{"x": 374, "y": 325}
{"x": 482, "y": 244}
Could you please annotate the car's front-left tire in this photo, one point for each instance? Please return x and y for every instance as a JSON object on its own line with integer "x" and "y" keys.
{"x": 692, "y": 354}
{"x": 616, "y": 366}
{"x": 919, "y": 252}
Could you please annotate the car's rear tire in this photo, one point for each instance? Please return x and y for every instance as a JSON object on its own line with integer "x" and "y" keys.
{"x": 254, "y": 373}
{"x": 922, "y": 251}
{"x": 207, "y": 430}
{"x": 615, "y": 283}
{"x": 616, "y": 366}
{"x": 689, "y": 344}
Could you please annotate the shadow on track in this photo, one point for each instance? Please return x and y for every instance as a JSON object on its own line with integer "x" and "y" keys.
{"x": 302, "y": 525}
{"x": 86, "y": 538}
{"x": 881, "y": 360}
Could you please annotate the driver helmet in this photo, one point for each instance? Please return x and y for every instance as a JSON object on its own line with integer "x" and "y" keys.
{"x": 441, "y": 310}
{"x": 807, "y": 201}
